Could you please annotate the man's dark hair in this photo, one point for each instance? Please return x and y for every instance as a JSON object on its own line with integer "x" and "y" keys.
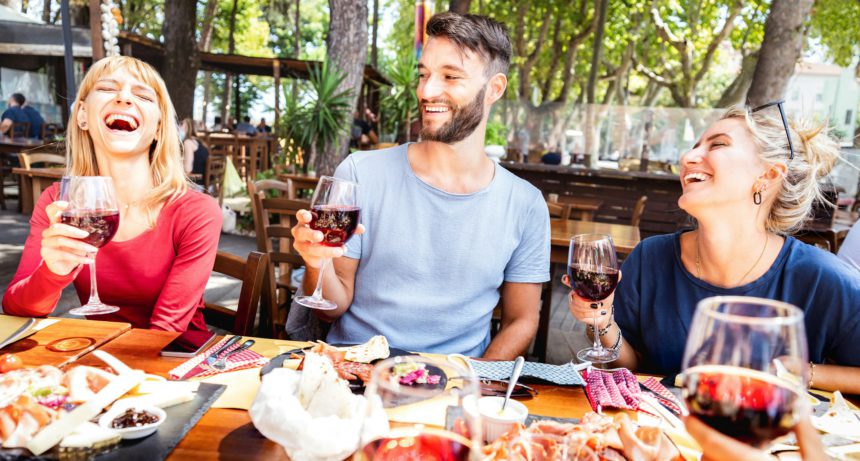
{"x": 247, "y": 119}
{"x": 217, "y": 119}
{"x": 480, "y": 34}
{"x": 19, "y": 98}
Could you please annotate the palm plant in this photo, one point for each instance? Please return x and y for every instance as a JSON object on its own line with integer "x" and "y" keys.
{"x": 400, "y": 105}
{"x": 322, "y": 114}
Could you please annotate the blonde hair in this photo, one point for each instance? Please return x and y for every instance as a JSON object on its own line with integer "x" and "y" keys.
{"x": 815, "y": 154}
{"x": 188, "y": 124}
{"x": 165, "y": 155}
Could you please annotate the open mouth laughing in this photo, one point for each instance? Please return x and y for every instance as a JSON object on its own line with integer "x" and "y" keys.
{"x": 696, "y": 177}
{"x": 121, "y": 122}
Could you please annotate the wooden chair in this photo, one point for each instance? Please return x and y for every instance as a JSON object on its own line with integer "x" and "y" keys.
{"x": 252, "y": 273}
{"x": 557, "y": 210}
{"x": 28, "y": 160}
{"x": 20, "y": 130}
{"x": 213, "y": 178}
{"x": 638, "y": 210}
{"x": 274, "y": 218}
{"x": 51, "y": 130}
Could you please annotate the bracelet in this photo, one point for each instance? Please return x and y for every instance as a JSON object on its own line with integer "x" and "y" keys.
{"x": 602, "y": 332}
{"x": 618, "y": 341}
{"x": 811, "y": 374}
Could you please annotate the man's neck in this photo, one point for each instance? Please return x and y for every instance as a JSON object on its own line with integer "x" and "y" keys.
{"x": 458, "y": 168}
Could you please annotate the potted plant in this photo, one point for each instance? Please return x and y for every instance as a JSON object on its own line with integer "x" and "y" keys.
{"x": 495, "y": 141}
{"x": 400, "y": 106}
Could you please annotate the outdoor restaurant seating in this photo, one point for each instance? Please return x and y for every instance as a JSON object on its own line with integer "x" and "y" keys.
{"x": 251, "y": 272}
{"x": 29, "y": 160}
{"x": 274, "y": 216}
{"x": 20, "y": 130}
{"x": 638, "y": 210}
{"x": 213, "y": 178}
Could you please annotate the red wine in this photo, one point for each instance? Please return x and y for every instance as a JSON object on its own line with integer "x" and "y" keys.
{"x": 425, "y": 446}
{"x": 337, "y": 223}
{"x": 101, "y": 224}
{"x": 747, "y": 405}
{"x": 588, "y": 283}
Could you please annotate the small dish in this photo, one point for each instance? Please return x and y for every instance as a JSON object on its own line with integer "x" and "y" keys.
{"x": 495, "y": 423}
{"x": 135, "y": 432}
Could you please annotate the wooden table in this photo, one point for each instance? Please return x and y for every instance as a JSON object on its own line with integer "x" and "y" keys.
{"x": 33, "y": 182}
{"x": 11, "y": 147}
{"x": 34, "y": 350}
{"x": 224, "y": 434}
{"x": 300, "y": 183}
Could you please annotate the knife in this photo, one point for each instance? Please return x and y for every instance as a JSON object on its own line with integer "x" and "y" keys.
{"x": 214, "y": 357}
{"x": 200, "y": 368}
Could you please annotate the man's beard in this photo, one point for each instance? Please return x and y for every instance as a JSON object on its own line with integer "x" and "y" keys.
{"x": 464, "y": 121}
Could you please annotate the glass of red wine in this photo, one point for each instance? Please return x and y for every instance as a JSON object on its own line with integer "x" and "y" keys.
{"x": 335, "y": 213}
{"x": 745, "y": 367}
{"x": 93, "y": 208}
{"x": 592, "y": 267}
{"x": 431, "y": 418}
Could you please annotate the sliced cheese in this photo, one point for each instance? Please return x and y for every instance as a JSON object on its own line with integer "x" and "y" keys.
{"x": 56, "y": 431}
{"x": 89, "y": 435}
{"x": 160, "y": 400}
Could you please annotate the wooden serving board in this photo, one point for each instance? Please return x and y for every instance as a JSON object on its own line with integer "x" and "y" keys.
{"x": 81, "y": 336}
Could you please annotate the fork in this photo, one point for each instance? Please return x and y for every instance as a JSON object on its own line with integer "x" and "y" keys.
{"x": 221, "y": 364}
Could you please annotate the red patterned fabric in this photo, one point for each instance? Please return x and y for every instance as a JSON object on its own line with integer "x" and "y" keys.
{"x": 240, "y": 361}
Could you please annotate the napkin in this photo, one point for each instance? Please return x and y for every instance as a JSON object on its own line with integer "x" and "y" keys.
{"x": 245, "y": 359}
{"x": 565, "y": 375}
{"x": 617, "y": 389}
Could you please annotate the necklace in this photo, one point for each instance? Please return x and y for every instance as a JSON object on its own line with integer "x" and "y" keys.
{"x": 699, "y": 260}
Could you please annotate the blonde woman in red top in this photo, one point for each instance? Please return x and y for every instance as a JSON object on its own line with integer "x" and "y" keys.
{"x": 155, "y": 269}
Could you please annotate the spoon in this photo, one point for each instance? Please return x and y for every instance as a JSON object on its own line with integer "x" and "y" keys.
{"x": 515, "y": 376}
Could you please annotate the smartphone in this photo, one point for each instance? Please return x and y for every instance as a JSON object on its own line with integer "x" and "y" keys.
{"x": 189, "y": 344}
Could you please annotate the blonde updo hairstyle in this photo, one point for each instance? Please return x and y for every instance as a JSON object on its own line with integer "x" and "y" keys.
{"x": 815, "y": 154}
{"x": 165, "y": 155}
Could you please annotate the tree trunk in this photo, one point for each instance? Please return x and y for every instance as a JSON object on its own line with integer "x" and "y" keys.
{"x": 297, "y": 48}
{"x": 228, "y": 78}
{"x": 180, "y": 54}
{"x": 459, "y": 6}
{"x": 25, "y": 5}
{"x": 784, "y": 35}
{"x": 374, "y": 50}
{"x": 347, "y": 52}
{"x": 205, "y": 44}
{"x": 737, "y": 90}
{"x": 46, "y": 11}
{"x": 79, "y": 10}
{"x": 598, "y": 50}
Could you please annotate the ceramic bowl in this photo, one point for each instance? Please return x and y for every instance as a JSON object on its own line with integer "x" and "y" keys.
{"x": 133, "y": 432}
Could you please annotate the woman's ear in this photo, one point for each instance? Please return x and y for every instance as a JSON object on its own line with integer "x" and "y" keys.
{"x": 81, "y": 115}
{"x": 775, "y": 172}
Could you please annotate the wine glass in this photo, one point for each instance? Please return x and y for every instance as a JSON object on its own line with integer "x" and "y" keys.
{"x": 335, "y": 213}
{"x": 745, "y": 367}
{"x": 438, "y": 421}
{"x": 592, "y": 267}
{"x": 92, "y": 208}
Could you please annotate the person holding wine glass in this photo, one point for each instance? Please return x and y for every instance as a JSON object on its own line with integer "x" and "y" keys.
{"x": 123, "y": 127}
{"x": 450, "y": 234}
{"x": 749, "y": 182}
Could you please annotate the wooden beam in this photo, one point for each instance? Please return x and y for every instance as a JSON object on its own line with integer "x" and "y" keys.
{"x": 276, "y": 70}
{"x": 96, "y": 30}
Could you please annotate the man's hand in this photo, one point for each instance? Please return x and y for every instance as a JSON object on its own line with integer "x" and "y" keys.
{"x": 307, "y": 242}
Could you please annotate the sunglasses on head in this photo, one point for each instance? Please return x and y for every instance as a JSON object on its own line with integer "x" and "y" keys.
{"x": 784, "y": 123}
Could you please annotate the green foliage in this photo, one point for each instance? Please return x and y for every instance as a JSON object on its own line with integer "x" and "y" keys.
{"x": 496, "y": 134}
{"x": 143, "y": 17}
{"x": 400, "y": 105}
{"x": 313, "y": 18}
{"x": 836, "y": 25}
{"x": 324, "y": 112}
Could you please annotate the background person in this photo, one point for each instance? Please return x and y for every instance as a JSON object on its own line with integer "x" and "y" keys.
{"x": 155, "y": 269}
{"x": 194, "y": 152}
{"x": 14, "y": 113}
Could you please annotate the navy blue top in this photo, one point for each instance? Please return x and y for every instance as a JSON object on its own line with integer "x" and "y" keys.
{"x": 17, "y": 115}
{"x": 36, "y": 121}
{"x": 656, "y": 298}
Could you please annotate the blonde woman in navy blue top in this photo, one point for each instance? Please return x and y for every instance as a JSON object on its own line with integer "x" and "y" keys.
{"x": 749, "y": 186}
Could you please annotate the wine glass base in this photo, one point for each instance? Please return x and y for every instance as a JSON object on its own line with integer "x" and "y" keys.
{"x": 94, "y": 309}
{"x": 597, "y": 355}
{"x": 316, "y": 303}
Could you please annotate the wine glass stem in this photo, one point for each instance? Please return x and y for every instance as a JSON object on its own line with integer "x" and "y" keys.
{"x": 318, "y": 291}
{"x": 94, "y": 291}
{"x": 598, "y": 346}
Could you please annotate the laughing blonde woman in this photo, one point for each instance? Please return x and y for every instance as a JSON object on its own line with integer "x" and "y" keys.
{"x": 155, "y": 269}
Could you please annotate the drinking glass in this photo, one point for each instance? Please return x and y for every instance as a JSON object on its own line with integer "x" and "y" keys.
{"x": 92, "y": 208}
{"x": 745, "y": 367}
{"x": 335, "y": 213}
{"x": 427, "y": 421}
{"x": 592, "y": 267}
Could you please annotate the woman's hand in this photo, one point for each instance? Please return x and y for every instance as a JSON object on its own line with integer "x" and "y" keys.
{"x": 62, "y": 251}
{"x": 306, "y": 242}
{"x": 586, "y": 311}
{"x": 644, "y": 443}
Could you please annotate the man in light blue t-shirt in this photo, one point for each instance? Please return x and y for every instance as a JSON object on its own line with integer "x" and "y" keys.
{"x": 448, "y": 231}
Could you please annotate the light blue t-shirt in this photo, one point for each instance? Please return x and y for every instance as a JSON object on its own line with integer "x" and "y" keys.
{"x": 432, "y": 263}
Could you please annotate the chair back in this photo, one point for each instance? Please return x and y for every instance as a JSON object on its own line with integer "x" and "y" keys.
{"x": 51, "y": 130}
{"x": 20, "y": 130}
{"x": 252, "y": 273}
{"x": 638, "y": 210}
{"x": 29, "y": 160}
{"x": 274, "y": 217}
{"x": 213, "y": 178}
{"x": 557, "y": 210}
